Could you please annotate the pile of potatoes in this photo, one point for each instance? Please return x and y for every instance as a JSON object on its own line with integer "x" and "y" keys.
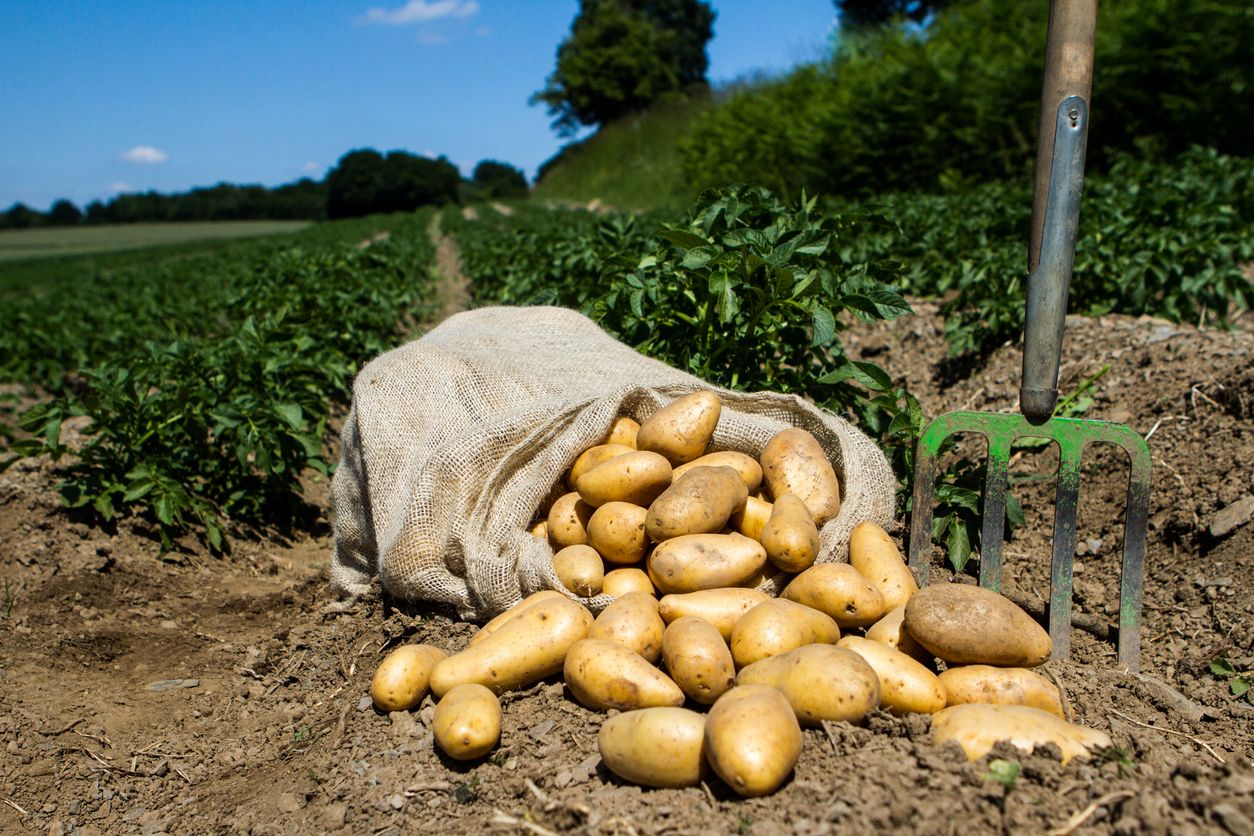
{"x": 691, "y": 534}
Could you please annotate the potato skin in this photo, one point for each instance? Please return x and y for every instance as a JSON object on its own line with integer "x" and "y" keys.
{"x": 616, "y": 531}
{"x": 704, "y": 561}
{"x": 699, "y": 502}
{"x": 698, "y": 659}
{"x": 745, "y": 465}
{"x": 661, "y": 746}
{"x": 839, "y": 590}
{"x": 623, "y": 431}
{"x": 891, "y": 630}
{"x": 753, "y": 518}
{"x": 525, "y": 649}
{"x": 793, "y": 462}
{"x": 568, "y": 521}
{"x": 467, "y": 722}
{"x": 978, "y": 727}
{"x": 905, "y": 685}
{"x": 720, "y": 607}
{"x": 602, "y": 674}
{"x": 752, "y": 739}
{"x": 790, "y": 537}
{"x": 875, "y": 555}
{"x": 820, "y": 681}
{"x": 779, "y": 626}
{"x": 495, "y": 624}
{"x": 592, "y": 457}
{"x": 1001, "y": 686}
{"x": 682, "y": 429}
{"x": 401, "y": 680}
{"x": 638, "y": 477}
{"x": 969, "y": 625}
{"x": 580, "y": 570}
{"x": 633, "y": 622}
{"x": 627, "y": 579}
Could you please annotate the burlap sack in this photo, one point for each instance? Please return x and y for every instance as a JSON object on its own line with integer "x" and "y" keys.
{"x": 457, "y": 442}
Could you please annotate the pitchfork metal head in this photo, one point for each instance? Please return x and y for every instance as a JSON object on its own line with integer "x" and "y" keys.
{"x": 1072, "y": 436}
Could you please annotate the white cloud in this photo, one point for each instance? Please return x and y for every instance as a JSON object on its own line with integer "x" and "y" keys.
{"x": 119, "y": 187}
{"x": 310, "y": 167}
{"x": 419, "y": 11}
{"x": 145, "y": 154}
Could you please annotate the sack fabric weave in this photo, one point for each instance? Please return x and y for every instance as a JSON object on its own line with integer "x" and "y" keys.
{"x": 457, "y": 442}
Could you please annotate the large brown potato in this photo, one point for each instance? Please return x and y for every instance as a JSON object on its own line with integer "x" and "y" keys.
{"x": 602, "y": 674}
{"x": 905, "y": 685}
{"x": 778, "y": 626}
{"x": 638, "y": 477}
{"x": 720, "y": 607}
{"x": 704, "y": 561}
{"x": 633, "y": 622}
{"x": 682, "y": 429}
{"x": 495, "y": 624}
{"x": 699, "y": 502}
{"x": 794, "y": 462}
{"x": 698, "y": 659}
{"x": 839, "y": 590}
{"x": 820, "y": 682}
{"x": 875, "y": 555}
{"x": 969, "y": 625}
{"x": 752, "y": 739}
{"x": 655, "y": 747}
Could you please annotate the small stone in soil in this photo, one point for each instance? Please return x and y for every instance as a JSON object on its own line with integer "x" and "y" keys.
{"x": 171, "y": 684}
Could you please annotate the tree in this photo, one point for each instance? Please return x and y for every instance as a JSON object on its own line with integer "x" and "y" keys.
{"x": 865, "y": 13}
{"x": 20, "y": 216}
{"x": 494, "y": 179}
{"x": 410, "y": 181}
{"x": 64, "y": 213}
{"x": 354, "y": 183}
{"x": 622, "y": 56}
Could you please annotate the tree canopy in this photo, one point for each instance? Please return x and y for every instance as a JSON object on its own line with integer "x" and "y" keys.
{"x": 864, "y": 13}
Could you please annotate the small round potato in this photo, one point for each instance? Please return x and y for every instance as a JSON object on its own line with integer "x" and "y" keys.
{"x": 638, "y": 477}
{"x": 699, "y": 502}
{"x": 753, "y": 518}
{"x": 616, "y": 530}
{"x": 633, "y": 622}
{"x": 970, "y": 625}
{"x": 661, "y": 746}
{"x": 623, "y": 431}
{"x": 790, "y": 537}
{"x": 778, "y": 626}
{"x": 745, "y": 465}
{"x": 698, "y": 659}
{"x": 580, "y": 570}
{"x": 540, "y": 530}
{"x": 752, "y": 739}
{"x": 905, "y": 685}
{"x": 400, "y": 682}
{"x": 682, "y": 429}
{"x": 495, "y": 624}
{"x": 720, "y": 607}
{"x": 1001, "y": 686}
{"x": 839, "y": 590}
{"x": 704, "y": 561}
{"x": 820, "y": 682}
{"x": 568, "y": 521}
{"x": 876, "y": 557}
{"x": 602, "y": 674}
{"x": 978, "y": 727}
{"x": 793, "y": 461}
{"x": 593, "y": 457}
{"x": 627, "y": 579}
{"x": 891, "y": 630}
{"x": 467, "y": 722}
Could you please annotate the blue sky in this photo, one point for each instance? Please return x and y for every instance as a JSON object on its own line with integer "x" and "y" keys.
{"x": 129, "y": 95}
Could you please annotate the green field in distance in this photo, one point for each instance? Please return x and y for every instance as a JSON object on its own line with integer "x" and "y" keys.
{"x": 80, "y": 240}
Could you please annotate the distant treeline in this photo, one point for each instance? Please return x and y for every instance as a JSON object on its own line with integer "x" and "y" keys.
{"x": 363, "y": 182}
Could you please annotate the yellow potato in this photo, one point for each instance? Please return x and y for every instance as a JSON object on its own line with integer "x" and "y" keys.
{"x": 704, "y": 561}
{"x": 627, "y": 579}
{"x": 720, "y": 607}
{"x": 616, "y": 530}
{"x": 623, "y": 431}
{"x": 699, "y": 502}
{"x": 568, "y": 521}
{"x": 969, "y": 625}
{"x": 745, "y": 465}
{"x": 752, "y": 739}
{"x": 523, "y": 650}
{"x": 495, "y": 624}
{"x": 753, "y": 518}
{"x": 698, "y": 659}
{"x": 541, "y": 530}
{"x": 790, "y": 537}
{"x": 467, "y": 722}
{"x": 891, "y": 630}
{"x": 602, "y": 674}
{"x": 820, "y": 682}
{"x": 874, "y": 554}
{"x": 905, "y": 685}
{"x": 978, "y": 727}
{"x": 655, "y": 747}
{"x": 592, "y": 457}
{"x": 400, "y": 682}
{"x": 633, "y": 622}
{"x": 580, "y": 570}
{"x": 839, "y": 590}
{"x": 682, "y": 429}
{"x": 778, "y": 626}
{"x": 638, "y": 477}
{"x": 1002, "y": 686}
{"x": 793, "y": 462}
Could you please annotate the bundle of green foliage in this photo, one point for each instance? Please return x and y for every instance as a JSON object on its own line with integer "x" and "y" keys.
{"x": 365, "y": 182}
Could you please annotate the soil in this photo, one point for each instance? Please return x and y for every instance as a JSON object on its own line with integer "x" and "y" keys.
{"x": 195, "y": 694}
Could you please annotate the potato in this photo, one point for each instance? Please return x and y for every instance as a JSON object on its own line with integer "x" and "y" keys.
{"x": 541, "y": 530}
{"x": 977, "y": 728}
{"x": 495, "y": 624}
{"x": 752, "y": 739}
{"x": 753, "y": 518}
{"x": 580, "y": 570}
{"x": 874, "y": 554}
{"x": 592, "y": 457}
{"x": 602, "y": 674}
{"x": 698, "y": 659}
{"x": 699, "y": 502}
{"x": 523, "y": 650}
{"x": 655, "y": 747}
{"x": 793, "y": 462}
{"x": 778, "y": 626}
{"x": 616, "y": 531}
{"x": 905, "y": 685}
{"x": 891, "y": 630}
{"x": 704, "y": 561}
{"x": 627, "y": 579}
{"x": 969, "y": 625}
{"x": 467, "y": 722}
{"x": 568, "y": 521}
{"x": 1002, "y": 686}
{"x": 745, "y": 465}
{"x": 790, "y": 537}
{"x": 820, "y": 682}
{"x": 839, "y": 590}
{"x": 638, "y": 477}
{"x": 623, "y": 431}
{"x": 720, "y": 607}
{"x": 682, "y": 429}
{"x": 400, "y": 682}
{"x": 633, "y": 622}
